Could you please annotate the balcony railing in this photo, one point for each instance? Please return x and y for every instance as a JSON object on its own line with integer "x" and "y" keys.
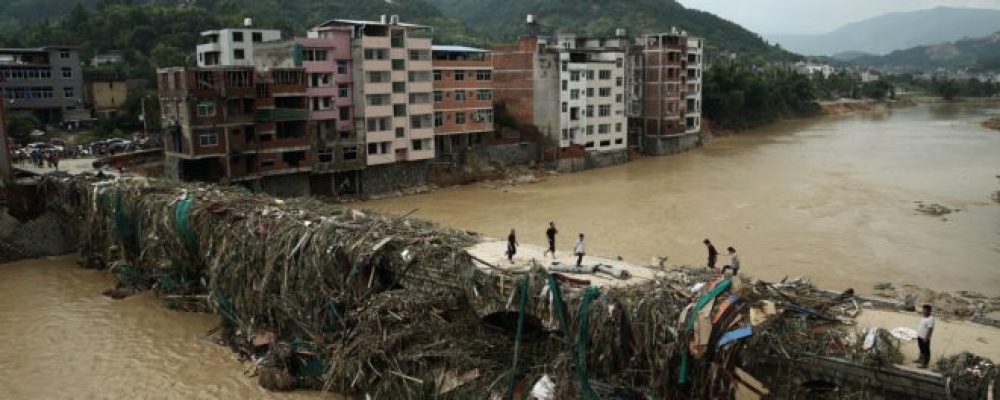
{"x": 282, "y": 114}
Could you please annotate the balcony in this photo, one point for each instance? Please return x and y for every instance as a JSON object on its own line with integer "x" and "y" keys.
{"x": 282, "y": 114}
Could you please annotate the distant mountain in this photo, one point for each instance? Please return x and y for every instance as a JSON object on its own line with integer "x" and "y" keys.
{"x": 981, "y": 54}
{"x": 850, "y": 55}
{"x": 503, "y": 20}
{"x": 897, "y": 31}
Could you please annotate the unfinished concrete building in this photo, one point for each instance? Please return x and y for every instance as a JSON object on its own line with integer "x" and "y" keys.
{"x": 47, "y": 81}
{"x": 463, "y": 98}
{"x": 237, "y": 124}
{"x": 665, "y": 93}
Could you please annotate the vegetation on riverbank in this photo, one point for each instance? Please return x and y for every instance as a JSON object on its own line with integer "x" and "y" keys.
{"x": 742, "y": 96}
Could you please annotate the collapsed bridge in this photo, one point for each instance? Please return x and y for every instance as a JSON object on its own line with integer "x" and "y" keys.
{"x": 321, "y": 296}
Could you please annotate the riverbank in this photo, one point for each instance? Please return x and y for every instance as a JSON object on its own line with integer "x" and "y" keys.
{"x": 992, "y": 123}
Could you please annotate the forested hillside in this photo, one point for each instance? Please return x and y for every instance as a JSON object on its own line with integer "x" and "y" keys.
{"x": 980, "y": 54}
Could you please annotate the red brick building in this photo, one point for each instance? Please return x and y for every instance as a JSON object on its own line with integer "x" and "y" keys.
{"x": 463, "y": 97}
{"x": 513, "y": 78}
{"x": 237, "y": 124}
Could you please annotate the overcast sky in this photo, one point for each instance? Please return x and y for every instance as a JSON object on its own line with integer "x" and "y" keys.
{"x": 815, "y": 16}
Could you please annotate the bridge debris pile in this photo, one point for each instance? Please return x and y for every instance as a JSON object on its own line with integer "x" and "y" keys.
{"x": 321, "y": 296}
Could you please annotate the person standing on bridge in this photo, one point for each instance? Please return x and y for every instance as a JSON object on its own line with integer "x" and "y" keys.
{"x": 713, "y": 254}
{"x": 551, "y": 235}
{"x": 579, "y": 250}
{"x": 924, "y": 333}
{"x": 511, "y": 246}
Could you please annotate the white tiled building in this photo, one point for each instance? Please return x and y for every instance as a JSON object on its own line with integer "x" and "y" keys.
{"x": 232, "y": 47}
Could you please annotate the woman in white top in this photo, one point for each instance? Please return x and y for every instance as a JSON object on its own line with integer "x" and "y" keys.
{"x": 579, "y": 250}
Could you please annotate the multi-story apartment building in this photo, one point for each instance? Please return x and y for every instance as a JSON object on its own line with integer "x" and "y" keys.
{"x": 234, "y": 46}
{"x": 695, "y": 55}
{"x": 463, "y": 98}
{"x": 664, "y": 109}
{"x": 46, "y": 81}
{"x": 393, "y": 92}
{"x": 577, "y": 90}
{"x": 237, "y": 124}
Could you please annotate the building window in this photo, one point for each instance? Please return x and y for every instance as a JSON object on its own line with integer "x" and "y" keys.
{"x": 484, "y": 95}
{"x": 590, "y": 111}
{"x": 483, "y": 116}
{"x": 67, "y": 72}
{"x": 438, "y": 96}
{"x": 565, "y": 84}
{"x": 322, "y": 103}
{"x": 565, "y": 106}
{"x": 590, "y": 130}
{"x": 372, "y": 148}
{"x": 400, "y": 132}
{"x": 619, "y": 62}
{"x": 345, "y": 113}
{"x": 416, "y": 144}
{"x": 237, "y": 36}
{"x": 459, "y": 95}
{"x": 618, "y": 98}
{"x": 341, "y": 67}
{"x": 257, "y": 37}
{"x": 618, "y": 81}
{"x": 343, "y": 91}
{"x": 64, "y": 54}
{"x": 565, "y": 66}
{"x": 399, "y": 87}
{"x": 618, "y": 127}
{"x": 605, "y": 74}
{"x": 460, "y": 118}
{"x": 604, "y": 128}
{"x": 590, "y": 92}
{"x": 574, "y": 76}
{"x": 378, "y": 99}
{"x": 208, "y": 139}
{"x": 618, "y": 141}
{"x": 590, "y": 74}
{"x": 399, "y": 110}
{"x": 398, "y": 64}
{"x": 589, "y": 145}
{"x": 459, "y": 75}
{"x": 437, "y": 75}
{"x": 206, "y": 109}
{"x": 376, "y": 54}
{"x": 574, "y": 94}
{"x": 314, "y": 55}
{"x": 68, "y": 92}
{"x": 350, "y": 153}
{"x": 605, "y": 143}
{"x": 604, "y": 110}
{"x": 379, "y": 124}
{"x": 438, "y": 118}
{"x": 484, "y": 75}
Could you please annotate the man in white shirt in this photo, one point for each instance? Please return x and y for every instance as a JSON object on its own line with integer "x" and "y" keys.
{"x": 734, "y": 262}
{"x": 924, "y": 334}
{"x": 579, "y": 250}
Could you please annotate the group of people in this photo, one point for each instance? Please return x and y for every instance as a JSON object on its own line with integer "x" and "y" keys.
{"x": 713, "y": 257}
{"x": 579, "y": 249}
{"x": 39, "y": 159}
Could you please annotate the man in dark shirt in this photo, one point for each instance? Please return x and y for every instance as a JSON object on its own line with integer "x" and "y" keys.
{"x": 713, "y": 255}
{"x": 551, "y": 235}
{"x": 511, "y": 246}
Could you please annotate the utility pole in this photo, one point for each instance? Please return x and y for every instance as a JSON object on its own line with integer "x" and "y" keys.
{"x": 145, "y": 128}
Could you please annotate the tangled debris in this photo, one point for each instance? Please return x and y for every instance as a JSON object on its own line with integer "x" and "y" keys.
{"x": 963, "y": 304}
{"x": 320, "y": 296}
{"x": 970, "y": 370}
{"x": 935, "y": 209}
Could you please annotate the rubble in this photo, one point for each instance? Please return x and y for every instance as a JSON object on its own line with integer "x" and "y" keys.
{"x": 935, "y": 209}
{"x": 319, "y": 296}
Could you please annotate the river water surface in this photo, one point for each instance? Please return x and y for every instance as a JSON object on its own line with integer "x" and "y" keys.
{"x": 831, "y": 199}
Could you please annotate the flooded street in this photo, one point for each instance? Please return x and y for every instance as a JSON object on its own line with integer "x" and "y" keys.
{"x": 832, "y": 199}
{"x": 61, "y": 339}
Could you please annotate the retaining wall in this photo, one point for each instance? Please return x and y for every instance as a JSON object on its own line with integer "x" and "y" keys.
{"x": 673, "y": 144}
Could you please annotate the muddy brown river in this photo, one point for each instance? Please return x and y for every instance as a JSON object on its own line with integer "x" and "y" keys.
{"x": 830, "y": 198}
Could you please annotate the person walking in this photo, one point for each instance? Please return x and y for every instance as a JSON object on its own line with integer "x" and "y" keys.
{"x": 924, "y": 334}
{"x": 551, "y": 235}
{"x": 579, "y": 250}
{"x": 713, "y": 254}
{"x": 734, "y": 262}
{"x": 511, "y": 246}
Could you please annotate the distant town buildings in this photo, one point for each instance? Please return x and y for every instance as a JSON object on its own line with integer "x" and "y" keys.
{"x": 111, "y": 57}
{"x": 107, "y": 96}
{"x": 46, "y": 81}
{"x": 366, "y": 107}
{"x": 811, "y": 68}
{"x": 6, "y": 145}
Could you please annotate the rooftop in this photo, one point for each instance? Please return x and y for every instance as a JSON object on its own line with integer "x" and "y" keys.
{"x": 363, "y": 22}
{"x": 458, "y": 49}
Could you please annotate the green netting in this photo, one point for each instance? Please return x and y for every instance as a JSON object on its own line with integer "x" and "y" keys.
{"x": 183, "y": 227}
{"x": 583, "y": 334}
{"x": 523, "y": 288}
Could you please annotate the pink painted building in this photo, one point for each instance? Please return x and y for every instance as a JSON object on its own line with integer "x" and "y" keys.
{"x": 326, "y": 57}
